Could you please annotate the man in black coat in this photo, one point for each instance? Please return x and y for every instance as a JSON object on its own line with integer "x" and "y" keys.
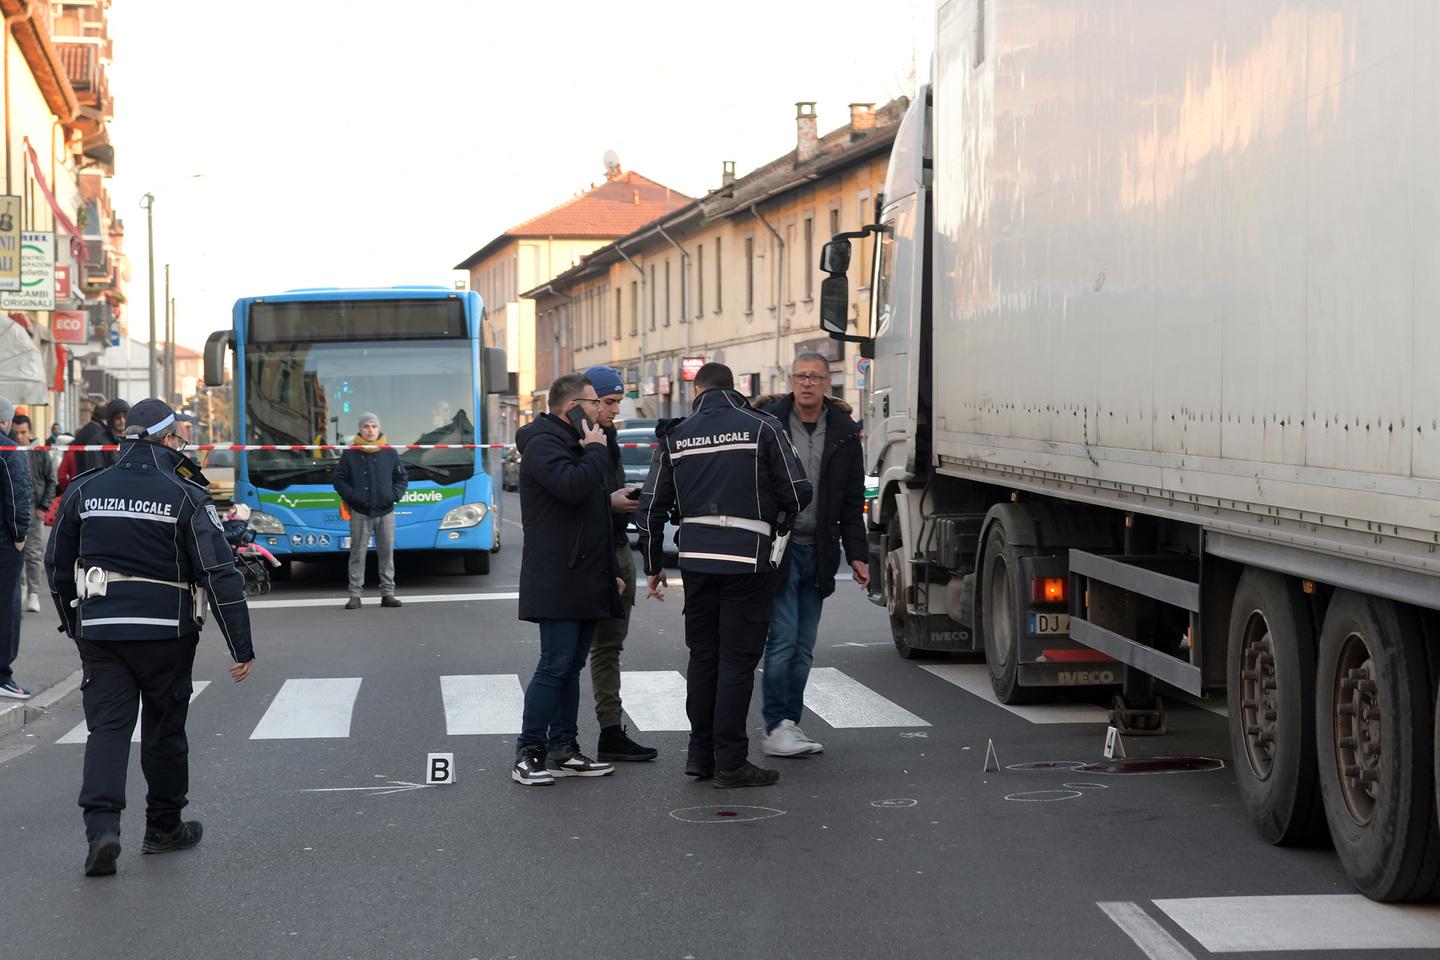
{"x": 17, "y": 515}
{"x": 42, "y": 483}
{"x": 569, "y": 580}
{"x": 371, "y": 479}
{"x": 106, "y": 426}
{"x": 828, "y": 443}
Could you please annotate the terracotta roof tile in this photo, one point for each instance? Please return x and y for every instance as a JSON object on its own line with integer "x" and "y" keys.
{"x": 612, "y": 209}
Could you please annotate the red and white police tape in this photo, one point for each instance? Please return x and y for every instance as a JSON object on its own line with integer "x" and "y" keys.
{"x": 112, "y": 447}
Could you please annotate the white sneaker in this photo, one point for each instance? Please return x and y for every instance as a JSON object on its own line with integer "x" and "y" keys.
{"x": 784, "y": 742}
{"x": 32, "y": 604}
{"x": 814, "y": 745}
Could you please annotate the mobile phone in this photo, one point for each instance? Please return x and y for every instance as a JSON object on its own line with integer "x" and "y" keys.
{"x": 577, "y": 418}
{"x": 634, "y": 494}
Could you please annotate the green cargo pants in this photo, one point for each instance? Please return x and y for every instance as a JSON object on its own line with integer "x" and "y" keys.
{"x": 606, "y": 646}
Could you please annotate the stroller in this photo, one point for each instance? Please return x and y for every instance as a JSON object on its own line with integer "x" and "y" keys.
{"x": 252, "y": 560}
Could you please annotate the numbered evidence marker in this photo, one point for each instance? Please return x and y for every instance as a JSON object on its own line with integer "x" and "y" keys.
{"x": 1114, "y": 744}
{"x": 440, "y": 768}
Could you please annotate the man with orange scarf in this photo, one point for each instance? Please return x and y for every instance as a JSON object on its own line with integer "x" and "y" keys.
{"x": 371, "y": 479}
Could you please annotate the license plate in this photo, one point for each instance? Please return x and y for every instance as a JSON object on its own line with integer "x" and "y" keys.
{"x": 1049, "y": 624}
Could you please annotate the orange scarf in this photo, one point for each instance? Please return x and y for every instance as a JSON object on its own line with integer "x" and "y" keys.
{"x": 367, "y": 446}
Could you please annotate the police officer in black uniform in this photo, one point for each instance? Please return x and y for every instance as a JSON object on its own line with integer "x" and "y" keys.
{"x": 136, "y": 551}
{"x": 736, "y": 479}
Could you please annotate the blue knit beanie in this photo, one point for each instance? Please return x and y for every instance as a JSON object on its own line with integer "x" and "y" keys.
{"x": 606, "y": 380}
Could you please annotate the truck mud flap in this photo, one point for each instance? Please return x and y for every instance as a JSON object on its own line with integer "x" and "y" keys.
{"x": 938, "y": 632}
{"x": 1093, "y": 674}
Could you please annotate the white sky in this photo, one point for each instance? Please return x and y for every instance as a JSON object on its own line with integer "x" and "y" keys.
{"x": 310, "y": 143}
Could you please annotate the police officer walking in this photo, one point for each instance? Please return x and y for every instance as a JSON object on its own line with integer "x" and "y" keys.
{"x": 136, "y": 551}
{"x": 737, "y": 481}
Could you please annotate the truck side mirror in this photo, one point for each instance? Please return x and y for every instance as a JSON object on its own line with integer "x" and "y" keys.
{"x": 497, "y": 377}
{"x": 835, "y": 301}
{"x": 835, "y": 257}
{"x": 215, "y": 348}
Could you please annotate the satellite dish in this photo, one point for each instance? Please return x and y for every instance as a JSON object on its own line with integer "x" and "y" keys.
{"x": 612, "y": 163}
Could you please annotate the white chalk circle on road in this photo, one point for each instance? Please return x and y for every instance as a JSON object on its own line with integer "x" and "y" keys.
{"x": 1043, "y": 796}
{"x": 726, "y": 814}
{"x": 894, "y": 804}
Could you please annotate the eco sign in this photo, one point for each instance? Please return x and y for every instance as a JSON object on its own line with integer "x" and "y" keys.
{"x": 37, "y": 274}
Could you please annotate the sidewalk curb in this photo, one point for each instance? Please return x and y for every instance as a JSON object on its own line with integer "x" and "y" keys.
{"x": 14, "y": 717}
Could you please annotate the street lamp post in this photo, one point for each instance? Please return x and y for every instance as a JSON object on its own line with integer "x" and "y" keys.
{"x": 147, "y": 203}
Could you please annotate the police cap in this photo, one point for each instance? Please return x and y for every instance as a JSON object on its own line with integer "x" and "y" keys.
{"x": 153, "y": 418}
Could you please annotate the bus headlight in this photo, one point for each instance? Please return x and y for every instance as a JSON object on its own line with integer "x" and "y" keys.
{"x": 262, "y": 522}
{"x": 465, "y": 515}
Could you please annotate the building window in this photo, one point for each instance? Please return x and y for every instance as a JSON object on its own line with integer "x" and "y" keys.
{"x": 809, "y": 266}
{"x": 834, "y": 221}
{"x": 749, "y": 275}
{"x": 634, "y": 307}
{"x": 618, "y": 305}
{"x": 667, "y": 291}
{"x": 699, "y": 281}
{"x": 719, "y": 287}
{"x": 652, "y": 296}
{"x": 787, "y": 257}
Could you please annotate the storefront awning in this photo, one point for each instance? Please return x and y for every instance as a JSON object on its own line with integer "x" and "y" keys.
{"x": 22, "y": 368}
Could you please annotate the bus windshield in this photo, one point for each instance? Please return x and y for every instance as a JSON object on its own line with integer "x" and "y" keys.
{"x": 314, "y": 393}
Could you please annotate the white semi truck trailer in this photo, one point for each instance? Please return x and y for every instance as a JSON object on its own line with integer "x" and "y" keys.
{"x": 1155, "y": 395}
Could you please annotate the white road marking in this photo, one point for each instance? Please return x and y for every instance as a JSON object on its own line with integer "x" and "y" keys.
{"x": 843, "y": 702}
{"x": 975, "y": 678}
{"x": 482, "y": 703}
{"x": 339, "y": 602}
{"x": 1339, "y": 922}
{"x": 309, "y": 709}
{"x": 1146, "y": 931}
{"x": 80, "y": 733}
{"x": 655, "y": 699}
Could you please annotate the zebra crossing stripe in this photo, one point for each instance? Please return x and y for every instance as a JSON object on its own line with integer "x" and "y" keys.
{"x": 845, "y": 702}
{"x": 79, "y": 733}
{"x": 654, "y": 699}
{"x": 975, "y": 678}
{"x": 310, "y": 709}
{"x": 482, "y": 703}
{"x": 1323, "y": 922}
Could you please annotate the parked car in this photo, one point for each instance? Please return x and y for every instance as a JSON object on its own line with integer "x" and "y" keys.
{"x": 510, "y": 470}
{"x": 219, "y": 468}
{"x": 637, "y": 467}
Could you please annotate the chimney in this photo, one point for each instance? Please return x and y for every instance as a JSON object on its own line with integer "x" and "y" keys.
{"x": 807, "y": 143}
{"x": 727, "y": 172}
{"x": 862, "y": 117}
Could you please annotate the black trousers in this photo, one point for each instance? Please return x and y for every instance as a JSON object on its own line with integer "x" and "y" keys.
{"x": 726, "y": 619}
{"x": 119, "y": 677}
{"x": 12, "y": 571}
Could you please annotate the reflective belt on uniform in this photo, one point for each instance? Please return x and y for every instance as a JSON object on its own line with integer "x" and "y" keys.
{"x": 95, "y": 581}
{"x": 740, "y": 523}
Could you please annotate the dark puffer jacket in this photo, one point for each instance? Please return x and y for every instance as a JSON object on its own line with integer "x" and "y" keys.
{"x": 568, "y": 566}
{"x": 839, "y": 490}
{"x": 371, "y": 483}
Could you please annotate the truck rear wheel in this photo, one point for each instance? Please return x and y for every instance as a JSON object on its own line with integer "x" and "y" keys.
{"x": 1000, "y": 619}
{"x": 893, "y": 569}
{"x": 1375, "y": 728}
{"x": 1270, "y": 676}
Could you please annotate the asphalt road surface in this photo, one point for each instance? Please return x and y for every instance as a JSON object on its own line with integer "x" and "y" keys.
{"x": 322, "y": 839}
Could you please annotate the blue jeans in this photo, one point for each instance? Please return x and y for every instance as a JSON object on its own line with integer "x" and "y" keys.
{"x": 552, "y": 699}
{"x": 791, "y": 646}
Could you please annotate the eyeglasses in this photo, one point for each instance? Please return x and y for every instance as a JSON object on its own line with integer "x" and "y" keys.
{"x": 586, "y": 400}
{"x": 809, "y": 377}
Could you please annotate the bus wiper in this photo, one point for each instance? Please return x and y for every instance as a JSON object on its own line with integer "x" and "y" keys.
{"x": 432, "y": 471}
{"x": 266, "y": 477}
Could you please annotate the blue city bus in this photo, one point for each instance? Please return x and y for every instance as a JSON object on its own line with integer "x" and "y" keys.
{"x": 309, "y": 362}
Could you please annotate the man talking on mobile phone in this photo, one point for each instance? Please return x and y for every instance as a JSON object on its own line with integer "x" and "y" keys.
{"x": 569, "y": 580}
{"x": 615, "y": 743}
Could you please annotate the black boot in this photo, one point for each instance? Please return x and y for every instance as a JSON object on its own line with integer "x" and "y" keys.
{"x": 104, "y": 850}
{"x": 182, "y": 837}
{"x": 616, "y": 745}
{"x": 746, "y": 776}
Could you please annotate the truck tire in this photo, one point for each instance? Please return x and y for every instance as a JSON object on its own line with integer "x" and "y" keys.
{"x": 1270, "y": 680}
{"x": 477, "y": 562}
{"x": 1375, "y": 731}
{"x": 893, "y": 571}
{"x": 1000, "y": 620}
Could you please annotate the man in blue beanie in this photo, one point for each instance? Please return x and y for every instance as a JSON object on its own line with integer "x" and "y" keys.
{"x": 615, "y": 743}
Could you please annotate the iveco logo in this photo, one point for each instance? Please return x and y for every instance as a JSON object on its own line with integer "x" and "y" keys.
{"x": 1086, "y": 676}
